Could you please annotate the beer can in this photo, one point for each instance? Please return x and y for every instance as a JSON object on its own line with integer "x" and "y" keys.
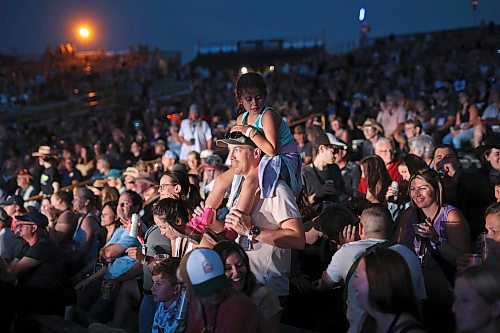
{"x": 106, "y": 291}
{"x": 475, "y": 259}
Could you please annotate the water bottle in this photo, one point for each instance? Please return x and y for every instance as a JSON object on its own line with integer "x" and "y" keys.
{"x": 134, "y": 226}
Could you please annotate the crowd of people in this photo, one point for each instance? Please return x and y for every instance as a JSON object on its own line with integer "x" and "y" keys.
{"x": 360, "y": 217}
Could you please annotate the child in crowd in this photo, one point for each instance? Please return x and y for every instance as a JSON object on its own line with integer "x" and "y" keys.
{"x": 272, "y": 136}
{"x": 166, "y": 290}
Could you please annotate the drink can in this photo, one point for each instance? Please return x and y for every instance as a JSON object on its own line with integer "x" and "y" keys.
{"x": 106, "y": 290}
{"x": 475, "y": 259}
{"x": 69, "y": 313}
{"x": 395, "y": 185}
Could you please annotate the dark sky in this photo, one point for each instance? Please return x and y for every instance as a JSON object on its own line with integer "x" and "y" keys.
{"x": 30, "y": 25}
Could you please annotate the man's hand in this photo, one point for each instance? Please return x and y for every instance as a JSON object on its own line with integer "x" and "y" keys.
{"x": 348, "y": 235}
{"x": 240, "y": 128}
{"x": 238, "y": 221}
{"x": 328, "y": 188}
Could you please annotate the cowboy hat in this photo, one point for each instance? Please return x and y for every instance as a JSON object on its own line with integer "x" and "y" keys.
{"x": 44, "y": 151}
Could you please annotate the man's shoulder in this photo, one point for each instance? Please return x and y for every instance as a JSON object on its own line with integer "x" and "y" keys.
{"x": 359, "y": 246}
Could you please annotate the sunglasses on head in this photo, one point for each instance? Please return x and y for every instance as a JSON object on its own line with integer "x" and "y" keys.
{"x": 233, "y": 135}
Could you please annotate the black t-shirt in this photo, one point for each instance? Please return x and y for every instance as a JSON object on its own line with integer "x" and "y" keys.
{"x": 312, "y": 179}
{"x": 47, "y": 177}
{"x": 67, "y": 177}
{"x": 46, "y": 275}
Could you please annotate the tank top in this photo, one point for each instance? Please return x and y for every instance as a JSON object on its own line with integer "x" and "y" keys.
{"x": 284, "y": 133}
{"x": 78, "y": 239}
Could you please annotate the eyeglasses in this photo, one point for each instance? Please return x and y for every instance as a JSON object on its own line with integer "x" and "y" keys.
{"x": 233, "y": 135}
{"x": 24, "y": 224}
{"x": 163, "y": 187}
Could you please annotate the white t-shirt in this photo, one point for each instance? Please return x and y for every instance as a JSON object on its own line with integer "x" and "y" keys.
{"x": 271, "y": 264}
{"x": 343, "y": 259}
{"x": 201, "y": 133}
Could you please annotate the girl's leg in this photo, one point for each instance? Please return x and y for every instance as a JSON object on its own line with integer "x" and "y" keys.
{"x": 464, "y": 136}
{"x": 222, "y": 183}
{"x": 447, "y": 139}
{"x": 247, "y": 194}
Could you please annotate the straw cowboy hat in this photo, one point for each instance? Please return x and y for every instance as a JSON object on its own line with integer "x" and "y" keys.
{"x": 372, "y": 123}
{"x": 44, "y": 151}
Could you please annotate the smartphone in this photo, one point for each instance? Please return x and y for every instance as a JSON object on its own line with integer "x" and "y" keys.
{"x": 158, "y": 249}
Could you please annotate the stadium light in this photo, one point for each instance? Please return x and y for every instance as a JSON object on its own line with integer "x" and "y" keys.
{"x": 84, "y": 32}
{"x": 362, "y": 12}
{"x": 244, "y": 70}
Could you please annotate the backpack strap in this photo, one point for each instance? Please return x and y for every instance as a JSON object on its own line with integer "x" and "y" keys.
{"x": 354, "y": 265}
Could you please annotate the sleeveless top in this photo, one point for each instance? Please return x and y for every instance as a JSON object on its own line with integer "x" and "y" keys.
{"x": 439, "y": 226}
{"x": 285, "y": 165}
{"x": 284, "y": 133}
{"x": 94, "y": 241}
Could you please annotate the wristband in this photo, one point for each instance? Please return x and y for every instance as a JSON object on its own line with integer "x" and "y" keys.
{"x": 254, "y": 133}
{"x": 248, "y": 131}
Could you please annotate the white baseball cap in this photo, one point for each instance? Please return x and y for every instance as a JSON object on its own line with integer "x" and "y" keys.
{"x": 204, "y": 270}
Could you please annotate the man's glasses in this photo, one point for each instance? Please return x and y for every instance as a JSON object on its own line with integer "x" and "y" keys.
{"x": 233, "y": 135}
{"x": 20, "y": 225}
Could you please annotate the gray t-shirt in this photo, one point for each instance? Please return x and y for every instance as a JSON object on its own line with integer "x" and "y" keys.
{"x": 155, "y": 243}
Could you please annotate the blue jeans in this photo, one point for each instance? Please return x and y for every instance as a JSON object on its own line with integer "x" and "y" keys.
{"x": 147, "y": 314}
{"x": 464, "y": 136}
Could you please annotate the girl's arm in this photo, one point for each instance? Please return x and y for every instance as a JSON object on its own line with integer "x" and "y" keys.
{"x": 268, "y": 143}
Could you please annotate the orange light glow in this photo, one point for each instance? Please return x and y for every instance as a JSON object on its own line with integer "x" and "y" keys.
{"x": 84, "y": 32}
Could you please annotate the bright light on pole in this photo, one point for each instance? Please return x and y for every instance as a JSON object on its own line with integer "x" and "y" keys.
{"x": 362, "y": 12}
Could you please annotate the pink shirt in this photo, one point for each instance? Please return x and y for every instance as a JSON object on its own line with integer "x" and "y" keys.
{"x": 391, "y": 121}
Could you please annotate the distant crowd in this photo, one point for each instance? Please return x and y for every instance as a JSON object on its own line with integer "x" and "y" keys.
{"x": 336, "y": 193}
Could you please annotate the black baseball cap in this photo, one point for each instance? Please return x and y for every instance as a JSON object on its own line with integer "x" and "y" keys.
{"x": 35, "y": 217}
{"x": 13, "y": 200}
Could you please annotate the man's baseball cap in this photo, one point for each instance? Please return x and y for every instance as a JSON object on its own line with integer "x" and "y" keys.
{"x": 204, "y": 270}
{"x": 12, "y": 200}
{"x": 35, "y": 217}
{"x": 328, "y": 139}
{"x": 235, "y": 138}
